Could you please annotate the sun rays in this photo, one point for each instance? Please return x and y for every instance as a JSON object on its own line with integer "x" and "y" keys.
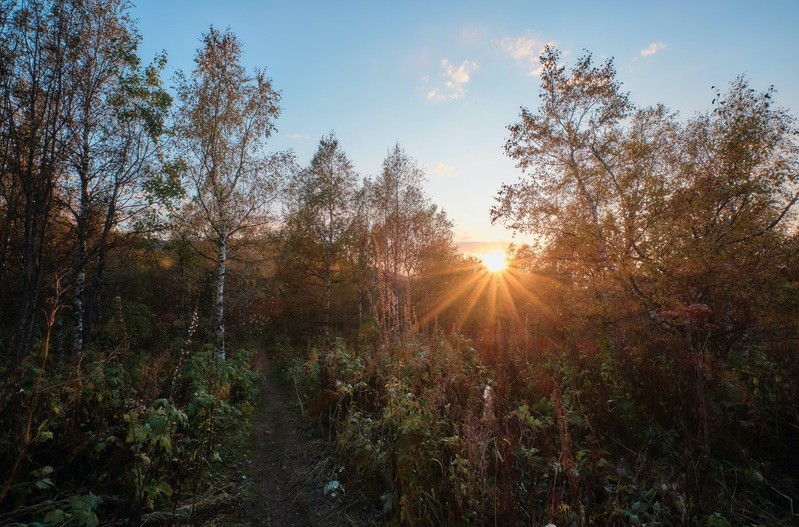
{"x": 484, "y": 292}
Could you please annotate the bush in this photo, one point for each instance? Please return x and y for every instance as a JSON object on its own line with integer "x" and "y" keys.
{"x": 119, "y": 435}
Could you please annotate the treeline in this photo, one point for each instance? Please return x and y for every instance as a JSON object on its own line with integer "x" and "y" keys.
{"x": 98, "y": 159}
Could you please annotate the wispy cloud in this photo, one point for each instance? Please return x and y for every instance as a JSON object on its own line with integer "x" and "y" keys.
{"x": 455, "y": 80}
{"x": 651, "y": 49}
{"x": 526, "y": 50}
{"x": 444, "y": 170}
{"x": 299, "y": 136}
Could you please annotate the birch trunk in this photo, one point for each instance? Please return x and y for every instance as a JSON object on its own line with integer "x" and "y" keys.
{"x": 82, "y": 227}
{"x": 77, "y": 309}
{"x": 220, "y": 297}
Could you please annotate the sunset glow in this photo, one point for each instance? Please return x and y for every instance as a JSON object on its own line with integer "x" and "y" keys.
{"x": 494, "y": 261}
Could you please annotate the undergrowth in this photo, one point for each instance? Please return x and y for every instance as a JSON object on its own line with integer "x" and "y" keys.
{"x": 568, "y": 438}
{"x": 121, "y": 437}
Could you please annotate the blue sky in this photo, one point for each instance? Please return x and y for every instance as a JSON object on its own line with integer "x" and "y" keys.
{"x": 444, "y": 79}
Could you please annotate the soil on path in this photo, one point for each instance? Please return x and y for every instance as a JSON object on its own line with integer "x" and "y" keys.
{"x": 289, "y": 467}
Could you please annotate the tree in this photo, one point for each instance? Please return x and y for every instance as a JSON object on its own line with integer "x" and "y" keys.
{"x": 38, "y": 40}
{"x": 570, "y": 192}
{"x": 224, "y": 117}
{"x": 666, "y": 230}
{"x": 118, "y": 114}
{"x": 622, "y": 197}
{"x": 325, "y": 212}
{"x": 405, "y": 228}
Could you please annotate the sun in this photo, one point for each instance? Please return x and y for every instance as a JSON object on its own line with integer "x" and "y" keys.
{"x": 494, "y": 261}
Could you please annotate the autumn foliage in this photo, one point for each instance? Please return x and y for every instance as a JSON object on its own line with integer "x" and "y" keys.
{"x": 634, "y": 365}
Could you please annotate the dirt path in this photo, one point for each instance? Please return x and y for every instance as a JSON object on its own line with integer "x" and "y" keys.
{"x": 289, "y": 468}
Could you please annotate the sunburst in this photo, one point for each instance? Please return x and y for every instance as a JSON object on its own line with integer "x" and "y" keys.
{"x": 501, "y": 290}
{"x": 495, "y": 262}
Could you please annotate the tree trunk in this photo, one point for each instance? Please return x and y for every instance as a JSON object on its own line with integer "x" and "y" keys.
{"x": 6, "y": 230}
{"x": 36, "y": 208}
{"x": 82, "y": 228}
{"x": 699, "y": 381}
{"x": 93, "y": 301}
{"x": 220, "y": 297}
{"x": 328, "y": 295}
{"x": 77, "y": 303}
{"x": 59, "y": 338}
{"x": 35, "y": 158}
{"x": 92, "y": 309}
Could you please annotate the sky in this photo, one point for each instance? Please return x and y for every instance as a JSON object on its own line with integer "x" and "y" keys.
{"x": 444, "y": 79}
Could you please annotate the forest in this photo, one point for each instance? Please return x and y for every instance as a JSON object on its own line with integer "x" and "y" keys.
{"x": 634, "y": 364}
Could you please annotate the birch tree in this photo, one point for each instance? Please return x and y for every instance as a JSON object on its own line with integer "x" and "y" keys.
{"x": 224, "y": 117}
{"x": 405, "y": 226}
{"x": 654, "y": 216}
{"x": 685, "y": 232}
{"x": 325, "y": 210}
{"x": 118, "y": 113}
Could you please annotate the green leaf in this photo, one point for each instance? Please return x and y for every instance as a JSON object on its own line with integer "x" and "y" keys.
{"x": 56, "y": 517}
{"x": 45, "y": 483}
